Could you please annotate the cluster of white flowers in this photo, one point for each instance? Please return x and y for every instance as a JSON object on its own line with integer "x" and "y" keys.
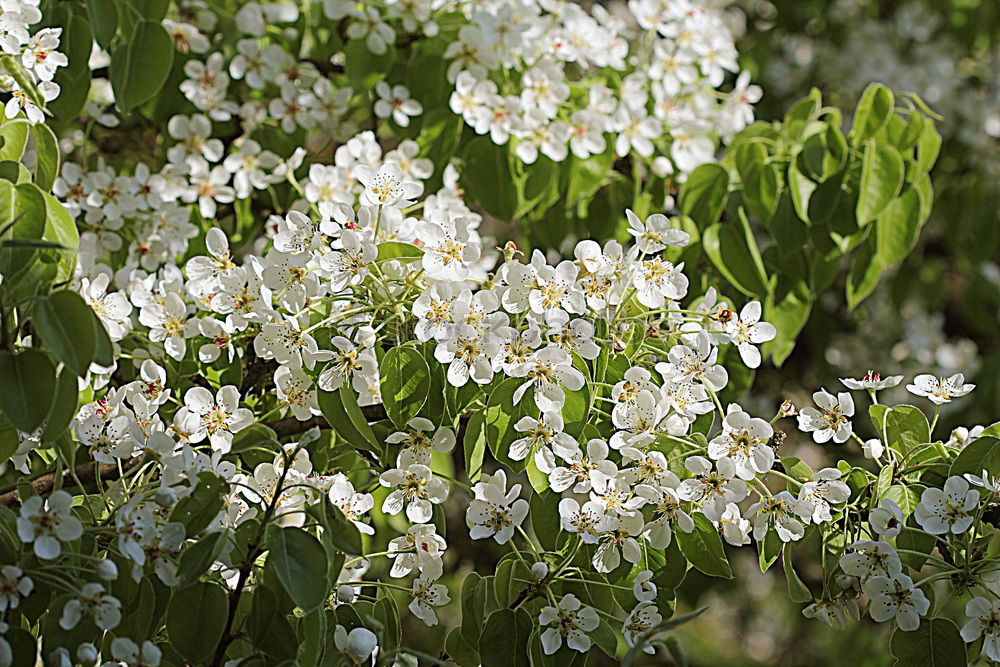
{"x": 514, "y": 66}
{"x": 35, "y": 55}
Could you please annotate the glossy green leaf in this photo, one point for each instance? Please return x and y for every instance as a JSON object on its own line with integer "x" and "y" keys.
{"x": 299, "y": 561}
{"x": 936, "y": 643}
{"x": 504, "y": 640}
{"x": 404, "y": 380}
{"x": 882, "y": 173}
{"x": 195, "y": 619}
{"x": 872, "y": 113}
{"x": 703, "y": 548}
{"x": 27, "y": 389}
{"x": 398, "y": 250}
{"x": 139, "y": 68}
{"x": 981, "y": 454}
{"x": 703, "y": 195}
{"x": 63, "y": 322}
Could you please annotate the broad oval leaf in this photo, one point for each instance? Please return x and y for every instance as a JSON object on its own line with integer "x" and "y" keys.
{"x": 299, "y": 560}
{"x": 63, "y": 322}
{"x": 936, "y": 643}
{"x": 139, "y": 68}
{"x": 703, "y": 548}
{"x": 195, "y": 618}
{"x": 27, "y": 389}
{"x": 405, "y": 380}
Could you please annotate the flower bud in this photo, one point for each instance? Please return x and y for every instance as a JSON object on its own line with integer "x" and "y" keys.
{"x": 873, "y": 448}
{"x": 787, "y": 409}
{"x": 107, "y": 570}
{"x": 166, "y": 497}
{"x": 539, "y": 570}
{"x": 86, "y": 654}
{"x": 345, "y": 593}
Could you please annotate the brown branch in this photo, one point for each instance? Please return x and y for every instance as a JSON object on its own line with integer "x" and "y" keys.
{"x": 87, "y": 473}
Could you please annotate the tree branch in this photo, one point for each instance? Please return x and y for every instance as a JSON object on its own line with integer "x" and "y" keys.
{"x": 87, "y": 473}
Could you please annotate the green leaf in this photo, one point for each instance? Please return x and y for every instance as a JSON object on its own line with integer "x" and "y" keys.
{"x": 341, "y": 532}
{"x": 906, "y": 427}
{"x": 74, "y": 79}
{"x": 544, "y": 515}
{"x": 872, "y": 112}
{"x": 197, "y": 510}
{"x": 398, "y": 250}
{"x": 866, "y": 269}
{"x": 493, "y": 185}
{"x": 734, "y": 253}
{"x": 196, "y": 616}
{"x": 797, "y": 591}
{"x": 15, "y": 137}
{"x": 405, "y": 381}
{"x": 473, "y": 607}
{"x": 905, "y": 496}
{"x": 501, "y": 415}
{"x": 63, "y": 408}
{"x": 981, "y": 454}
{"x": 768, "y": 550}
{"x": 341, "y": 410}
{"x": 898, "y": 226}
{"x": 884, "y": 481}
{"x": 915, "y": 540}
{"x": 139, "y": 68}
{"x": 103, "y": 20}
{"x": 198, "y": 557}
{"x": 461, "y": 651}
{"x": 703, "y": 195}
{"x": 928, "y": 146}
{"x": 474, "y": 446}
{"x": 882, "y": 173}
{"x": 63, "y": 322}
{"x": 787, "y": 308}
{"x": 47, "y": 160}
{"x": 504, "y": 640}
{"x": 299, "y": 561}
{"x": 27, "y": 389}
{"x": 703, "y": 548}
{"x": 936, "y": 643}
{"x": 762, "y": 190}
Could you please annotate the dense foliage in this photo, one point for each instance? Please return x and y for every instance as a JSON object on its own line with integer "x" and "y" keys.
{"x": 277, "y": 388}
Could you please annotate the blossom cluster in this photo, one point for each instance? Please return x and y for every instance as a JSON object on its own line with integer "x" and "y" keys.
{"x": 31, "y": 53}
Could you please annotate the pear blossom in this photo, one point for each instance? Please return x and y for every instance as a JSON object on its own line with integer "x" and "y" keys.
{"x": 940, "y": 390}
{"x": 832, "y": 420}
{"x": 494, "y": 511}
{"x": 358, "y": 644}
{"x": 895, "y": 597}
{"x": 872, "y": 381}
{"x": 13, "y": 586}
{"x": 871, "y": 559}
{"x": 949, "y": 509}
{"x": 47, "y": 523}
{"x": 747, "y": 331}
{"x": 216, "y": 418}
{"x": 426, "y": 596}
{"x": 420, "y": 440}
{"x": 744, "y": 441}
{"x": 886, "y": 519}
{"x": 782, "y": 512}
{"x": 417, "y": 488}
{"x": 984, "y": 621}
{"x": 571, "y": 621}
{"x": 395, "y": 101}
